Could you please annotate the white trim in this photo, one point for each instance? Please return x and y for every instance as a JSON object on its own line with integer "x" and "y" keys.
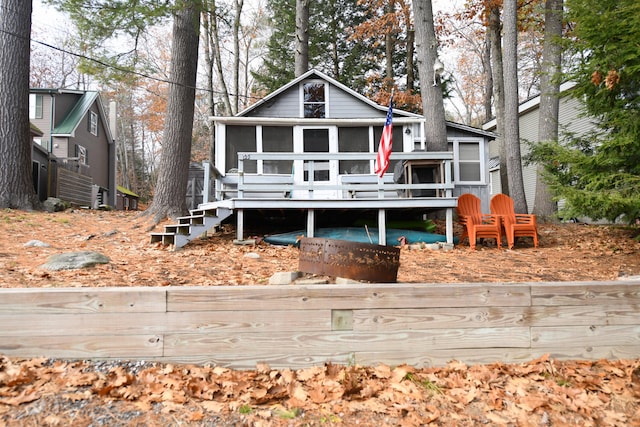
{"x": 456, "y": 159}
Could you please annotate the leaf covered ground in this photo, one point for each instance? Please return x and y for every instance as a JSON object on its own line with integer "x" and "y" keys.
{"x": 544, "y": 392}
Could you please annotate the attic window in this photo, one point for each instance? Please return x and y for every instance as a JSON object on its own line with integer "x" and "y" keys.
{"x": 93, "y": 123}
{"x": 314, "y": 100}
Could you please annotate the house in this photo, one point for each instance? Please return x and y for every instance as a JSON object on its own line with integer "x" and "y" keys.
{"x": 78, "y": 146}
{"x": 126, "y": 200}
{"x": 570, "y": 119}
{"x": 311, "y": 145}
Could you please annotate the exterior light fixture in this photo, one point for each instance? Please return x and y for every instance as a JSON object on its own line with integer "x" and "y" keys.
{"x": 438, "y": 70}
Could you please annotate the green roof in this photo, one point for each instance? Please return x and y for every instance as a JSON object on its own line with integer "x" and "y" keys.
{"x": 127, "y": 192}
{"x": 72, "y": 120}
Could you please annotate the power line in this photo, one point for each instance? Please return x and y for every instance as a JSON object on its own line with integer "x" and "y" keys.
{"x": 122, "y": 69}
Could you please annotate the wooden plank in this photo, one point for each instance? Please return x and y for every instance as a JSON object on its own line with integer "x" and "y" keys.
{"x": 445, "y": 356}
{"x": 82, "y": 300}
{"x": 580, "y": 336}
{"x": 344, "y": 342}
{"x": 495, "y": 355}
{"x": 348, "y": 296}
{"x": 276, "y": 360}
{"x": 83, "y": 346}
{"x": 431, "y": 318}
{"x": 160, "y": 323}
{"x": 576, "y": 315}
{"x": 590, "y": 293}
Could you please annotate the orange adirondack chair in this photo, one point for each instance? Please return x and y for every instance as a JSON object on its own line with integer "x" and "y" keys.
{"x": 476, "y": 224}
{"x": 515, "y": 225}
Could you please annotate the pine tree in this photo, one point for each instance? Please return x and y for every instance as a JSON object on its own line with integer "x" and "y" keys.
{"x": 598, "y": 174}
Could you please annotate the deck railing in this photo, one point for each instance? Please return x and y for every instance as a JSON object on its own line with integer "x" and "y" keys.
{"x": 242, "y": 185}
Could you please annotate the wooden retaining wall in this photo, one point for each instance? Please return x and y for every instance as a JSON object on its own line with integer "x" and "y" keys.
{"x": 298, "y": 326}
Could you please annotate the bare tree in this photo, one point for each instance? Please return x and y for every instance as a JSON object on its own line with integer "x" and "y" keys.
{"x": 544, "y": 206}
{"x": 16, "y": 182}
{"x": 427, "y": 53}
{"x": 511, "y": 103}
{"x": 169, "y": 199}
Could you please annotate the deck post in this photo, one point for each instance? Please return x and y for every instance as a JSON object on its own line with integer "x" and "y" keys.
{"x": 449, "y": 220}
{"x": 382, "y": 227}
{"x": 311, "y": 222}
{"x": 240, "y": 224}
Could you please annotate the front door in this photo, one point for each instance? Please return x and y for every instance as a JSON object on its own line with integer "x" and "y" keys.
{"x": 321, "y": 173}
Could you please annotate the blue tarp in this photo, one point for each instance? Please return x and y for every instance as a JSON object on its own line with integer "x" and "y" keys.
{"x": 358, "y": 234}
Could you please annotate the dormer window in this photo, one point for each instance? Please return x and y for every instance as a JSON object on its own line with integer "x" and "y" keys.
{"x": 314, "y": 100}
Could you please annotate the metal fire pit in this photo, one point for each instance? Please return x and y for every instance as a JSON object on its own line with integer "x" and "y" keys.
{"x": 351, "y": 260}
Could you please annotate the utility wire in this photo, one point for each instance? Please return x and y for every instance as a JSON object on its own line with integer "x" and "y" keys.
{"x": 122, "y": 69}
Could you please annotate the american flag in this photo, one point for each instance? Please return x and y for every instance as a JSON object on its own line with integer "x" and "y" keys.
{"x": 386, "y": 141}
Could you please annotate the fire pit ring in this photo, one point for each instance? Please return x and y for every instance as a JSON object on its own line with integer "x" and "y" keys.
{"x": 351, "y": 260}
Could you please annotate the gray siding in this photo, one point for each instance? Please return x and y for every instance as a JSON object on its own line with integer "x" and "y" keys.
{"x": 342, "y": 105}
{"x": 286, "y": 104}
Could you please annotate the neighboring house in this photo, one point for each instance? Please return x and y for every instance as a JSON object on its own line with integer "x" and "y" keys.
{"x": 311, "y": 145}
{"x": 126, "y": 200}
{"x": 570, "y": 120}
{"x": 77, "y": 139}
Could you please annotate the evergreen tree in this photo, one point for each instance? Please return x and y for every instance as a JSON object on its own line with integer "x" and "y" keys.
{"x": 598, "y": 174}
{"x": 331, "y": 49}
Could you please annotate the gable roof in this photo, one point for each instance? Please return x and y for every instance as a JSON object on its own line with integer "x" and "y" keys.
{"x": 317, "y": 74}
{"x": 71, "y": 122}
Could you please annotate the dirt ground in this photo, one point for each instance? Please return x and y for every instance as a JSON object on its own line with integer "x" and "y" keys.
{"x": 566, "y": 252}
{"x": 42, "y": 392}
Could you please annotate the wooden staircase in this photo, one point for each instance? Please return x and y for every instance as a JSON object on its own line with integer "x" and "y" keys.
{"x": 193, "y": 226}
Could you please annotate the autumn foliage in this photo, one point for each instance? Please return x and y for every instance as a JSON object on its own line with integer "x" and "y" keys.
{"x": 542, "y": 392}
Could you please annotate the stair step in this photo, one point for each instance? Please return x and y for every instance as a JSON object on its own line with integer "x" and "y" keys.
{"x": 191, "y": 227}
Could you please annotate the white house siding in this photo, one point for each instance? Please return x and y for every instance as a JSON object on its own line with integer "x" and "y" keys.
{"x": 44, "y": 124}
{"x": 570, "y": 121}
{"x": 529, "y": 132}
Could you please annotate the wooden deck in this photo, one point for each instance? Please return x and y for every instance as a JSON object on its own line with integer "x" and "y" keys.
{"x": 299, "y": 326}
{"x": 242, "y": 191}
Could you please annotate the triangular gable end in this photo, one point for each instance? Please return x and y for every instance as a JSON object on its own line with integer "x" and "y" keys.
{"x": 72, "y": 120}
{"x": 339, "y": 95}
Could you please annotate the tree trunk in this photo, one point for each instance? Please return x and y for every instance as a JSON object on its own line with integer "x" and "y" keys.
{"x": 236, "y": 54}
{"x": 495, "y": 37}
{"x": 411, "y": 40}
{"x": 213, "y": 36}
{"x": 302, "y": 38}
{"x": 544, "y": 206}
{"x": 488, "y": 70}
{"x": 427, "y": 53}
{"x": 171, "y": 189}
{"x": 511, "y": 103}
{"x": 16, "y": 181}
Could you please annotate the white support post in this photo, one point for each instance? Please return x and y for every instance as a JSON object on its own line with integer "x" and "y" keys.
{"x": 382, "y": 227}
{"x": 449, "y": 220}
{"x": 311, "y": 222}
{"x": 240, "y": 224}
{"x": 207, "y": 180}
